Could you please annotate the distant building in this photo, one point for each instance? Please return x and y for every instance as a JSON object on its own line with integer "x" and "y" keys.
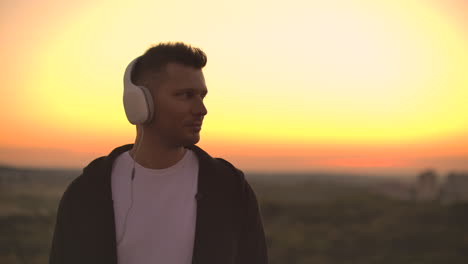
{"x": 455, "y": 188}
{"x": 395, "y": 190}
{"x": 427, "y": 187}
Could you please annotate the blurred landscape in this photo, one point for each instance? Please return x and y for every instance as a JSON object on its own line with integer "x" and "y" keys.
{"x": 309, "y": 218}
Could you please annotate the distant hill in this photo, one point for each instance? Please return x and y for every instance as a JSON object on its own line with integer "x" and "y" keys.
{"x": 12, "y": 174}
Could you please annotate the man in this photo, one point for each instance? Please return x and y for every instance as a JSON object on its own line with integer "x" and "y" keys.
{"x": 163, "y": 199}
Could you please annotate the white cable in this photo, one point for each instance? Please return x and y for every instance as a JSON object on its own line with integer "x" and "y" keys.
{"x": 131, "y": 188}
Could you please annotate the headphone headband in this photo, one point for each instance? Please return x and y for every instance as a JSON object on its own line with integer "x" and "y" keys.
{"x": 138, "y": 102}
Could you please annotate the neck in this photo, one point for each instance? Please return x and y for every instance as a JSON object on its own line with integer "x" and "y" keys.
{"x": 153, "y": 154}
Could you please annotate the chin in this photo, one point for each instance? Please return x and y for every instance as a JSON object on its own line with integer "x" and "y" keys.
{"x": 192, "y": 140}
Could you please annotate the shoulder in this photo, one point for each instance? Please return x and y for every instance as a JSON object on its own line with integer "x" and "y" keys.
{"x": 217, "y": 171}
{"x": 81, "y": 184}
{"x": 235, "y": 177}
{"x": 228, "y": 167}
{"x": 222, "y": 176}
{"x": 228, "y": 171}
{"x": 96, "y": 174}
{"x": 91, "y": 171}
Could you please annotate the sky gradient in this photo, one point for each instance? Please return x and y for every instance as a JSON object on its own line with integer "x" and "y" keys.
{"x": 339, "y": 85}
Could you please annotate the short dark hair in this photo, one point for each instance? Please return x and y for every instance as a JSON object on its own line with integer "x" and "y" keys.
{"x": 158, "y": 56}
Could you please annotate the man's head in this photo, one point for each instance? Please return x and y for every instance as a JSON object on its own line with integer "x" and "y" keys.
{"x": 172, "y": 72}
{"x": 152, "y": 64}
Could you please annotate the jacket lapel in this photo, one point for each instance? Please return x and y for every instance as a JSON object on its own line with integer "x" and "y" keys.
{"x": 206, "y": 224}
{"x": 206, "y": 220}
{"x": 104, "y": 216}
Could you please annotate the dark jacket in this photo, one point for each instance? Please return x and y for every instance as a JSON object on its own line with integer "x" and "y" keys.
{"x": 228, "y": 224}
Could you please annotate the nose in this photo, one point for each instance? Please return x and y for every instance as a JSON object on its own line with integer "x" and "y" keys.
{"x": 200, "y": 109}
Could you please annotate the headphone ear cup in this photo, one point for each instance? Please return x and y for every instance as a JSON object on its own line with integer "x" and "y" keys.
{"x": 136, "y": 105}
{"x": 138, "y": 102}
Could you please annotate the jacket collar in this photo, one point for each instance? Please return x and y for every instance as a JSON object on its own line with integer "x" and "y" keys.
{"x": 103, "y": 167}
{"x": 101, "y": 170}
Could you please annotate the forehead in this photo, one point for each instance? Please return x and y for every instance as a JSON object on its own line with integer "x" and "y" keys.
{"x": 187, "y": 76}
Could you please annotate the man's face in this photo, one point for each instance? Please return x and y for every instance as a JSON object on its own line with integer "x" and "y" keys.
{"x": 178, "y": 105}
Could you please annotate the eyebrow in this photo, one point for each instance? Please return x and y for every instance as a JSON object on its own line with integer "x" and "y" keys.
{"x": 203, "y": 91}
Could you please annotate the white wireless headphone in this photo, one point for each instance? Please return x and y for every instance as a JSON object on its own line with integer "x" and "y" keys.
{"x": 138, "y": 102}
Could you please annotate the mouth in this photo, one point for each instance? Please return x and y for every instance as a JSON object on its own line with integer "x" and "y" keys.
{"x": 195, "y": 126}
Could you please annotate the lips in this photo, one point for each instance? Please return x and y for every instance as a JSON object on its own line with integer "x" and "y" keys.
{"x": 195, "y": 125}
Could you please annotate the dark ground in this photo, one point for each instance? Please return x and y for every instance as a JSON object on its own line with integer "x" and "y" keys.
{"x": 320, "y": 219}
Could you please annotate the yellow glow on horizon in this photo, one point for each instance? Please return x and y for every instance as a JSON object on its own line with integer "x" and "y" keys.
{"x": 351, "y": 73}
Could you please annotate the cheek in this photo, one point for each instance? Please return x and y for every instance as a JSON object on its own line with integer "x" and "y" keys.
{"x": 170, "y": 109}
{"x": 171, "y": 113}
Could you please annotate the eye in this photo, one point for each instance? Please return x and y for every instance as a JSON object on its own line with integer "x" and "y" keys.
{"x": 186, "y": 94}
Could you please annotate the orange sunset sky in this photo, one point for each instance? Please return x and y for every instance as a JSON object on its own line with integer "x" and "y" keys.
{"x": 334, "y": 85}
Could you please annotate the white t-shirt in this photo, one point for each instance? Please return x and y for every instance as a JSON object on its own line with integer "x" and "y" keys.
{"x": 160, "y": 226}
